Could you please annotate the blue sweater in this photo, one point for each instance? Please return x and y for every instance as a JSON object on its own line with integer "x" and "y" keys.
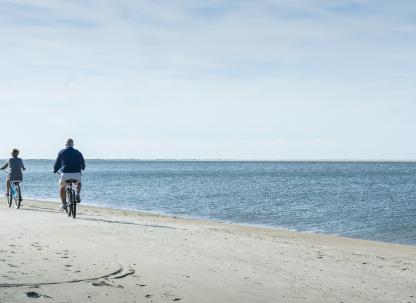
{"x": 69, "y": 160}
{"x": 16, "y": 166}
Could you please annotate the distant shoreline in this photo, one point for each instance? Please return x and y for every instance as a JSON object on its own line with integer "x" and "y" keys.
{"x": 216, "y": 221}
{"x": 247, "y": 160}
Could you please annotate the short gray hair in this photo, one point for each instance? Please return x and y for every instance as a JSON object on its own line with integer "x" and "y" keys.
{"x": 69, "y": 142}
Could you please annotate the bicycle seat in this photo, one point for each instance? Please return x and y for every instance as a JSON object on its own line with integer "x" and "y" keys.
{"x": 16, "y": 181}
{"x": 71, "y": 181}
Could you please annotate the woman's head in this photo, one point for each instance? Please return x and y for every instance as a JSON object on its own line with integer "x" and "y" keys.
{"x": 15, "y": 152}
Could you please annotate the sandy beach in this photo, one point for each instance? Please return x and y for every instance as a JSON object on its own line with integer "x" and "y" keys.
{"x": 108, "y": 255}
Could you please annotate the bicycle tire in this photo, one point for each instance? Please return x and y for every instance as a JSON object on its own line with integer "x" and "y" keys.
{"x": 9, "y": 197}
{"x": 17, "y": 199}
{"x": 9, "y": 200}
{"x": 74, "y": 205}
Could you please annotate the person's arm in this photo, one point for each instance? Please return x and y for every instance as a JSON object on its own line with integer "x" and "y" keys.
{"x": 58, "y": 163}
{"x": 23, "y": 166}
{"x": 5, "y": 165}
{"x": 82, "y": 161}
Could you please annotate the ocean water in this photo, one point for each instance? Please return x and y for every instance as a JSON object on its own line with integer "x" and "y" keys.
{"x": 374, "y": 201}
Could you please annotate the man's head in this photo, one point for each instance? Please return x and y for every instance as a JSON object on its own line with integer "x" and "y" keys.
{"x": 69, "y": 143}
{"x": 15, "y": 152}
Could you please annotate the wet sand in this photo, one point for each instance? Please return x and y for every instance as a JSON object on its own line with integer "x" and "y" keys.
{"x": 110, "y": 255}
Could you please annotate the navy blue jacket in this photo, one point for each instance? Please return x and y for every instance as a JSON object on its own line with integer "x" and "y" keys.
{"x": 69, "y": 160}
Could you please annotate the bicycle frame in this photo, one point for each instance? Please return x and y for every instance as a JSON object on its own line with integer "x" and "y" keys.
{"x": 15, "y": 193}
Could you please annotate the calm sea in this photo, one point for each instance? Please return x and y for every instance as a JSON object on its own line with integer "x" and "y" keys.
{"x": 374, "y": 201}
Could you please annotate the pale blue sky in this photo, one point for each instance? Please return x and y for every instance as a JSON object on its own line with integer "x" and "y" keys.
{"x": 311, "y": 79}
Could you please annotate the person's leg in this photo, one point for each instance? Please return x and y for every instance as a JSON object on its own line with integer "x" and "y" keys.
{"x": 62, "y": 194}
{"x": 62, "y": 190}
{"x": 7, "y": 186}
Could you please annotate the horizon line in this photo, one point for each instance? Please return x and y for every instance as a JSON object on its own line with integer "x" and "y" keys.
{"x": 243, "y": 160}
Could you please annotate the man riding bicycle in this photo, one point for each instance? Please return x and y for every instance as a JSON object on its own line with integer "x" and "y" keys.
{"x": 69, "y": 164}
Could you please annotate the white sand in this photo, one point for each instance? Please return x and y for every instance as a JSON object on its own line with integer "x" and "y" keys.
{"x": 149, "y": 258}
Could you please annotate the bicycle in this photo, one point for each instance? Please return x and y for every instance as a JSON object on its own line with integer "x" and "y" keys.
{"x": 70, "y": 198}
{"x": 14, "y": 194}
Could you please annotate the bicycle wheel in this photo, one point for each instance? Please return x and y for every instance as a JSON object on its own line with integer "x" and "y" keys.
{"x": 74, "y": 205}
{"x": 68, "y": 202}
{"x": 10, "y": 196}
{"x": 17, "y": 196}
{"x": 9, "y": 200}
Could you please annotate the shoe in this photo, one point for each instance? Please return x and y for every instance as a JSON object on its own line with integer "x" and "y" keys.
{"x": 77, "y": 198}
{"x": 6, "y": 194}
{"x": 63, "y": 207}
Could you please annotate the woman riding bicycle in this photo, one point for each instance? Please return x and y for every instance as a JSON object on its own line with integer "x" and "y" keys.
{"x": 16, "y": 166}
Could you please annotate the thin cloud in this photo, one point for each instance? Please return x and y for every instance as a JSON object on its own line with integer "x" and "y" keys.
{"x": 233, "y": 70}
